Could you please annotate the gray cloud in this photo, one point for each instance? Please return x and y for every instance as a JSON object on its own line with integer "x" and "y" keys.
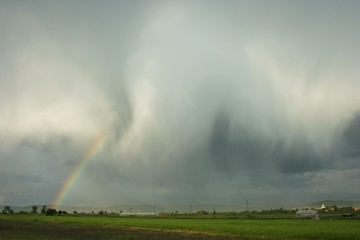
{"x": 203, "y": 102}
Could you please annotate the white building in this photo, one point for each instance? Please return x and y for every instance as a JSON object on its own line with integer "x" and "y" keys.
{"x": 303, "y": 213}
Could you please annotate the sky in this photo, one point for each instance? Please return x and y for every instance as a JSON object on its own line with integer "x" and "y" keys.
{"x": 179, "y": 102}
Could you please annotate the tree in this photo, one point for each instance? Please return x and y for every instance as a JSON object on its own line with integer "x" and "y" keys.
{"x": 34, "y": 209}
{"x": 43, "y": 209}
{"x": 7, "y": 210}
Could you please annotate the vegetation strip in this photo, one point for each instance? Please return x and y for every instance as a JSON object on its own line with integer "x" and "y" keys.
{"x": 102, "y": 227}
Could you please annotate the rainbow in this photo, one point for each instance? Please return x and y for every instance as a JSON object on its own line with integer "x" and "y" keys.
{"x": 71, "y": 179}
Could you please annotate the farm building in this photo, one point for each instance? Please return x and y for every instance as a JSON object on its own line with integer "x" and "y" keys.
{"x": 304, "y": 213}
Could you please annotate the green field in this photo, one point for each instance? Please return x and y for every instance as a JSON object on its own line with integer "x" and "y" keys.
{"x": 101, "y": 227}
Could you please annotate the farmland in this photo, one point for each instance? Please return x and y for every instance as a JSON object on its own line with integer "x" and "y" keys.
{"x": 34, "y": 226}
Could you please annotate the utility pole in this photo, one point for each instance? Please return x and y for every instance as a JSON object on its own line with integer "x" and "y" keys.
{"x": 247, "y": 205}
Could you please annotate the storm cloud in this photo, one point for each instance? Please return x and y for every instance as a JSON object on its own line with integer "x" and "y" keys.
{"x": 203, "y": 101}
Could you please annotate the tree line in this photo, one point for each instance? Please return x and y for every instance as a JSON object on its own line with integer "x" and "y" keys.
{"x": 44, "y": 210}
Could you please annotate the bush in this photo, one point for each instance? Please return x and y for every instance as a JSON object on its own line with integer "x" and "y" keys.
{"x": 51, "y": 212}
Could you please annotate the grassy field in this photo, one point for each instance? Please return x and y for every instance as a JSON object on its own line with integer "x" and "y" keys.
{"x": 96, "y": 227}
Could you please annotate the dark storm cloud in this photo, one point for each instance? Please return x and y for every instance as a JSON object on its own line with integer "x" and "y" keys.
{"x": 298, "y": 157}
{"x": 18, "y": 188}
{"x": 352, "y": 137}
{"x": 220, "y": 139}
{"x": 239, "y": 148}
{"x": 236, "y": 149}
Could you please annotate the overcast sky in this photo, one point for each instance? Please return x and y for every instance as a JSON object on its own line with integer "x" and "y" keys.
{"x": 204, "y": 101}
